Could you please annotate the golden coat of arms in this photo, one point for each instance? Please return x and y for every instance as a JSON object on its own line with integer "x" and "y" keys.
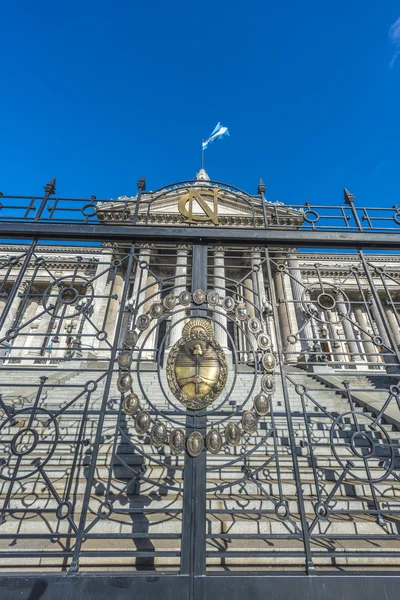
{"x": 197, "y": 370}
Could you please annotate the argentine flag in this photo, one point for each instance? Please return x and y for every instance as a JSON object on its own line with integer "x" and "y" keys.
{"x": 219, "y": 132}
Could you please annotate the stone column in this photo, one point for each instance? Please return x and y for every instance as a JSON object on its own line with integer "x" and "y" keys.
{"x": 335, "y": 342}
{"x": 29, "y": 340}
{"x": 88, "y": 338}
{"x": 12, "y": 311}
{"x": 153, "y": 295}
{"x": 347, "y": 328}
{"x": 258, "y": 280}
{"x": 283, "y": 314}
{"x": 180, "y": 283}
{"x": 115, "y": 307}
{"x": 220, "y": 326}
{"x": 298, "y": 289}
{"x": 41, "y": 333}
{"x": 393, "y": 322}
{"x": 370, "y": 349}
{"x": 378, "y": 320}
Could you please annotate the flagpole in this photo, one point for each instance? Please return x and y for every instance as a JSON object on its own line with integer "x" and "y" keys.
{"x": 202, "y": 154}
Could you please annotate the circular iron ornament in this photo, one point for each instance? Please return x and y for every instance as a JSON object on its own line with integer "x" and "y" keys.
{"x": 130, "y": 339}
{"x": 195, "y": 444}
{"x": 269, "y": 362}
{"x": 249, "y": 422}
{"x": 41, "y": 435}
{"x": 326, "y": 301}
{"x": 396, "y": 218}
{"x": 158, "y": 434}
{"x": 232, "y": 434}
{"x": 214, "y": 441}
{"x": 228, "y": 304}
{"x": 76, "y": 292}
{"x": 291, "y": 338}
{"x": 199, "y": 296}
{"x": 261, "y": 404}
{"x": 263, "y": 341}
{"x": 268, "y": 384}
{"x": 197, "y": 370}
{"x": 321, "y": 511}
{"x": 142, "y": 322}
{"x": 185, "y": 298}
{"x": 311, "y": 216}
{"x": 125, "y": 359}
{"x": 213, "y": 298}
{"x": 241, "y": 312}
{"x": 254, "y": 325}
{"x": 364, "y": 445}
{"x": 156, "y": 310}
{"x": 142, "y": 422}
{"x": 131, "y": 404}
{"x": 177, "y": 441}
{"x": 124, "y": 382}
{"x": 169, "y": 302}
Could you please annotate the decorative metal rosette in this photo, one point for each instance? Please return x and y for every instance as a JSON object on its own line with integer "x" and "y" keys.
{"x": 156, "y": 310}
{"x": 169, "y": 302}
{"x": 213, "y": 298}
{"x": 199, "y": 296}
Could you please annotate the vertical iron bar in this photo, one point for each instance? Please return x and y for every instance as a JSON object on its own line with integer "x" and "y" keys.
{"x": 193, "y": 547}
{"x": 304, "y": 525}
{"x": 50, "y": 189}
{"x": 85, "y": 506}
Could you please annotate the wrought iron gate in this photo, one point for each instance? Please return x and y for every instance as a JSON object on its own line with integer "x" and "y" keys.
{"x": 201, "y": 402}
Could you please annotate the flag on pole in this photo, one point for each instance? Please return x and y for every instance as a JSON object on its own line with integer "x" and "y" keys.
{"x": 219, "y": 132}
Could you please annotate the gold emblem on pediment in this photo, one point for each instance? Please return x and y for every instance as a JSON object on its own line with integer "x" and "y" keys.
{"x": 197, "y": 370}
{"x": 202, "y": 198}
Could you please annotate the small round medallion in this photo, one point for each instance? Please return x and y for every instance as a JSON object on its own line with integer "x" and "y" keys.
{"x": 269, "y": 362}
{"x": 156, "y": 310}
{"x": 268, "y": 384}
{"x": 232, "y": 434}
{"x": 124, "y": 382}
{"x": 142, "y": 322}
{"x": 228, "y": 303}
{"x": 158, "y": 434}
{"x": 199, "y": 296}
{"x": 214, "y": 441}
{"x": 169, "y": 302}
{"x": 125, "y": 359}
{"x": 130, "y": 339}
{"x": 254, "y": 325}
{"x": 131, "y": 404}
{"x": 142, "y": 422}
{"x": 213, "y": 298}
{"x": 241, "y": 312}
{"x": 195, "y": 443}
{"x": 249, "y": 422}
{"x": 261, "y": 404}
{"x": 185, "y": 298}
{"x": 177, "y": 441}
{"x": 263, "y": 341}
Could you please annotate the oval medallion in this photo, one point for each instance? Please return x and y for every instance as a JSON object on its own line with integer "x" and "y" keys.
{"x": 195, "y": 443}
{"x": 131, "y": 404}
{"x": 249, "y": 422}
{"x": 185, "y": 298}
{"x": 261, "y": 404}
{"x": 124, "y": 382}
{"x": 197, "y": 369}
{"x": 268, "y": 384}
{"x": 254, "y": 325}
{"x": 158, "y": 434}
{"x": 199, "y": 296}
{"x": 214, "y": 441}
{"x": 241, "y": 312}
{"x": 156, "y": 310}
{"x": 269, "y": 362}
{"x": 213, "y": 298}
{"x": 228, "y": 303}
{"x": 263, "y": 341}
{"x": 177, "y": 441}
{"x": 142, "y": 322}
{"x": 232, "y": 434}
{"x": 142, "y": 422}
{"x": 169, "y": 302}
{"x": 130, "y": 339}
{"x": 125, "y": 359}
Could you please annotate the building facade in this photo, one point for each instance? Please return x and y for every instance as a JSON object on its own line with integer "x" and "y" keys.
{"x": 199, "y": 383}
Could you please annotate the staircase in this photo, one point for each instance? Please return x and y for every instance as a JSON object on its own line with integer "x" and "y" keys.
{"x": 254, "y": 517}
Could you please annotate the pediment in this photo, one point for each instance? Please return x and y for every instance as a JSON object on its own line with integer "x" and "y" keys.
{"x": 199, "y": 204}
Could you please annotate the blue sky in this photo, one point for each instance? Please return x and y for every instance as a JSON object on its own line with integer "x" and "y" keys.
{"x": 98, "y": 93}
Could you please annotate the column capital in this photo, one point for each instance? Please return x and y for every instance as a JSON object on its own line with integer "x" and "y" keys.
{"x": 219, "y": 250}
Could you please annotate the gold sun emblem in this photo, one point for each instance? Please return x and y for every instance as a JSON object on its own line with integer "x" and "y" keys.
{"x": 196, "y": 368}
